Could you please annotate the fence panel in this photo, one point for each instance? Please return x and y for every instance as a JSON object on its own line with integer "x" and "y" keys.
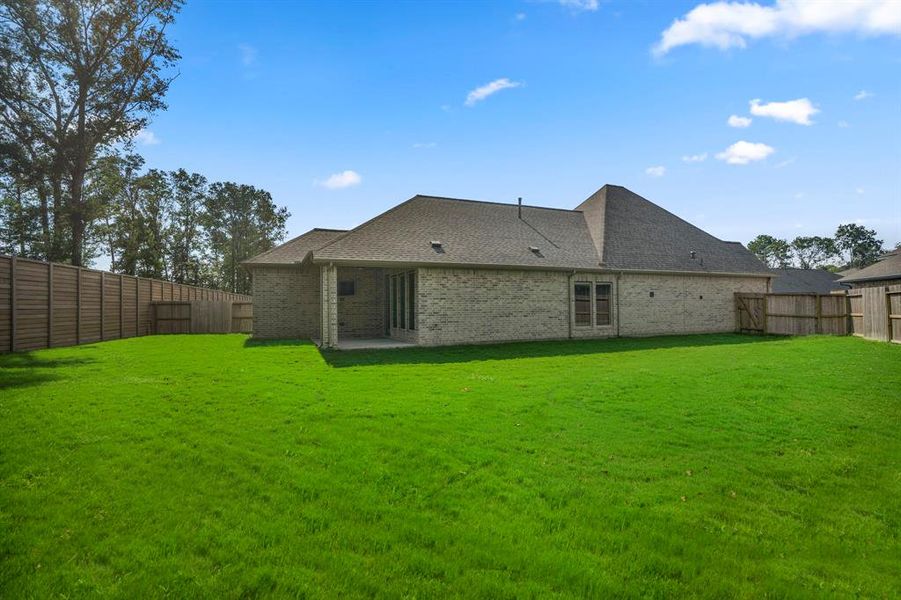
{"x": 47, "y": 304}
{"x": 893, "y": 301}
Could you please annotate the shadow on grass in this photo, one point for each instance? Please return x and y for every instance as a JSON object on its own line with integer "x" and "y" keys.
{"x": 508, "y": 351}
{"x": 26, "y": 369}
{"x": 257, "y": 343}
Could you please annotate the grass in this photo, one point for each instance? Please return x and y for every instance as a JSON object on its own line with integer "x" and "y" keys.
{"x": 210, "y": 466}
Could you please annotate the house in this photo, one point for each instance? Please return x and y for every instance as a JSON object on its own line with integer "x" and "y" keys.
{"x": 805, "y": 281}
{"x": 885, "y": 271}
{"x": 434, "y": 271}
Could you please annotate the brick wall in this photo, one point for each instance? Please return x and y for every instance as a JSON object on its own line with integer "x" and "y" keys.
{"x": 286, "y": 302}
{"x": 681, "y": 303}
{"x": 363, "y": 314}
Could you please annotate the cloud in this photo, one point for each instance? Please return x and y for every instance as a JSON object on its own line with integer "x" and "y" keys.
{"x": 863, "y": 95}
{"x": 580, "y": 5}
{"x": 520, "y": 16}
{"x": 425, "y": 145}
{"x": 695, "y": 158}
{"x": 248, "y": 54}
{"x": 860, "y": 191}
{"x": 337, "y": 181}
{"x": 658, "y": 171}
{"x": 480, "y": 93}
{"x": 741, "y": 122}
{"x": 145, "y": 137}
{"x": 725, "y": 25}
{"x": 785, "y": 163}
{"x": 796, "y": 111}
{"x": 742, "y": 153}
{"x": 843, "y": 124}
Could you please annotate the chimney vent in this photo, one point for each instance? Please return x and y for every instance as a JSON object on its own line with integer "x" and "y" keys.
{"x": 519, "y": 205}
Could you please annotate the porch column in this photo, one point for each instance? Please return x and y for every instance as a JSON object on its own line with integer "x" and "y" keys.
{"x": 328, "y": 304}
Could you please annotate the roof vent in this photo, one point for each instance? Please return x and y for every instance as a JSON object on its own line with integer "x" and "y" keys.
{"x": 694, "y": 255}
{"x": 536, "y": 251}
{"x": 437, "y": 247}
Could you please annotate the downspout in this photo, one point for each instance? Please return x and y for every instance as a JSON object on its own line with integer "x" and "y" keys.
{"x": 617, "y": 302}
{"x": 570, "y": 310}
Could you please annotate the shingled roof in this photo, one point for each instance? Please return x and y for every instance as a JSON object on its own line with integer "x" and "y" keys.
{"x": 295, "y": 250}
{"x": 888, "y": 267}
{"x": 636, "y": 234}
{"x": 614, "y": 229}
{"x": 811, "y": 281}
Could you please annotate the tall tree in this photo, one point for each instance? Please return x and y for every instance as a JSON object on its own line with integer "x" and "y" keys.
{"x": 77, "y": 77}
{"x": 189, "y": 195}
{"x": 773, "y": 252}
{"x": 860, "y": 243}
{"x": 813, "y": 251}
{"x": 240, "y": 222}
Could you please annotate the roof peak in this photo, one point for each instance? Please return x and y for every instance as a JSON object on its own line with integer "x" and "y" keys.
{"x": 513, "y": 205}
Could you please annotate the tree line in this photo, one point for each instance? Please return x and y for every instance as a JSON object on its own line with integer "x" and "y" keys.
{"x": 852, "y": 246}
{"x": 79, "y": 79}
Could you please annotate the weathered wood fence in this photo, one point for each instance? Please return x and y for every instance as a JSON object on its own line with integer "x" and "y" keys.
{"x": 873, "y": 313}
{"x": 202, "y": 316}
{"x": 45, "y": 305}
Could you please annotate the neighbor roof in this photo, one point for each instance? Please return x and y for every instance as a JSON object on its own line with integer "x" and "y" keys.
{"x": 295, "y": 250}
{"x": 813, "y": 281}
{"x": 614, "y": 229}
{"x": 888, "y": 267}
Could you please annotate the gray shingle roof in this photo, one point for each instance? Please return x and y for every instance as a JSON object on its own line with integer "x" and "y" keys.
{"x": 812, "y": 281}
{"x": 888, "y": 267}
{"x": 639, "y": 235}
{"x": 295, "y": 250}
{"x": 471, "y": 233}
{"x": 614, "y": 229}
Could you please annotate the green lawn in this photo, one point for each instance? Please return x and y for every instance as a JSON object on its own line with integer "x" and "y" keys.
{"x": 210, "y": 466}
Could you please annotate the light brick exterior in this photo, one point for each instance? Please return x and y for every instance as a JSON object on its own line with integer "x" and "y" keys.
{"x": 466, "y": 306}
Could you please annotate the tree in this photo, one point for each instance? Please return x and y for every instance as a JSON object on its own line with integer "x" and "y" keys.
{"x": 189, "y": 195}
{"x": 76, "y": 78}
{"x": 773, "y": 252}
{"x": 813, "y": 251}
{"x": 240, "y": 221}
{"x": 860, "y": 243}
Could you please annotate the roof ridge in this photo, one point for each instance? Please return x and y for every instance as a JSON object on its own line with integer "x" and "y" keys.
{"x": 365, "y": 223}
{"x": 285, "y": 243}
{"x": 569, "y": 210}
{"x": 672, "y": 214}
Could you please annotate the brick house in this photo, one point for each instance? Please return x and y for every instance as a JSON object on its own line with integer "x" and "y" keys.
{"x": 434, "y": 271}
{"x": 885, "y": 271}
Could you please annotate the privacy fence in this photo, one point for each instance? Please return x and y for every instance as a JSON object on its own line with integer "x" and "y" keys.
{"x": 873, "y": 313}
{"x": 44, "y": 305}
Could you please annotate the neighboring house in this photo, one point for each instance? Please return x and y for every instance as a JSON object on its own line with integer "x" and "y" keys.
{"x": 434, "y": 271}
{"x": 806, "y": 281}
{"x": 885, "y": 271}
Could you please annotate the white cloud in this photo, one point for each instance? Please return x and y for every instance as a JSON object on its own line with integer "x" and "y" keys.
{"x": 741, "y": 122}
{"x": 480, "y": 93}
{"x": 742, "y": 153}
{"x": 248, "y": 54}
{"x": 785, "y": 163}
{"x": 425, "y": 145}
{"x": 796, "y": 111}
{"x": 863, "y": 95}
{"x": 520, "y": 16}
{"x": 695, "y": 158}
{"x": 658, "y": 171}
{"x": 337, "y": 181}
{"x": 726, "y": 25}
{"x": 843, "y": 124}
{"x": 860, "y": 191}
{"x": 145, "y": 137}
{"x": 589, "y": 5}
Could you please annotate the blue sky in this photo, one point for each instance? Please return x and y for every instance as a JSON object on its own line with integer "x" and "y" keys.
{"x": 284, "y": 96}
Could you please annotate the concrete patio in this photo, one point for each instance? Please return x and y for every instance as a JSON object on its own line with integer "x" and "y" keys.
{"x": 367, "y": 344}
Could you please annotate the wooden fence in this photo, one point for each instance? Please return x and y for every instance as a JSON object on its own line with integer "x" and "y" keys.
{"x": 45, "y": 305}
{"x": 202, "y": 316}
{"x": 876, "y": 312}
{"x": 873, "y": 313}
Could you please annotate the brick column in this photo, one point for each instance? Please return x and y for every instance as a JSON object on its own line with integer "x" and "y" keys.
{"x": 328, "y": 304}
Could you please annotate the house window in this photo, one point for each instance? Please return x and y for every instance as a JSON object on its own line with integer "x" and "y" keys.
{"x": 602, "y": 303}
{"x": 583, "y": 304}
{"x": 401, "y": 303}
{"x": 347, "y": 287}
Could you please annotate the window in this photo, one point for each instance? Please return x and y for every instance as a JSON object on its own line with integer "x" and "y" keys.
{"x": 401, "y": 300}
{"x": 602, "y": 303}
{"x": 346, "y": 287}
{"x": 583, "y": 303}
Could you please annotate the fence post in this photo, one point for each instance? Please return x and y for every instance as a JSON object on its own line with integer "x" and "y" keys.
{"x": 78, "y": 307}
{"x": 12, "y": 303}
{"x": 137, "y": 306}
{"x": 888, "y": 314}
{"x": 49, "y": 304}
{"x": 818, "y": 325}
